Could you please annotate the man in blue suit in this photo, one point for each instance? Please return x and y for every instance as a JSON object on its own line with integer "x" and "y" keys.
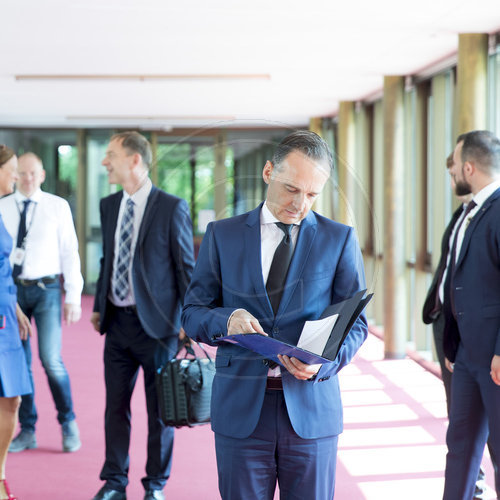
{"x": 432, "y": 312}
{"x": 472, "y": 329}
{"x": 145, "y": 270}
{"x": 275, "y": 424}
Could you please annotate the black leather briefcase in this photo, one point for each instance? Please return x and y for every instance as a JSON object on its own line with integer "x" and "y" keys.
{"x": 184, "y": 387}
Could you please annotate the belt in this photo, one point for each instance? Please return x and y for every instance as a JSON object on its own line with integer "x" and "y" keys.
{"x": 274, "y": 384}
{"x": 127, "y": 309}
{"x": 46, "y": 280}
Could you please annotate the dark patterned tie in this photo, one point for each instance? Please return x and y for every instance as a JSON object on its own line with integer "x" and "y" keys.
{"x": 121, "y": 272}
{"x": 21, "y": 234}
{"x": 279, "y": 266}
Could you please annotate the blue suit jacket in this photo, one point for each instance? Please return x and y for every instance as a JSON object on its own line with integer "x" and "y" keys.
{"x": 326, "y": 268}
{"x": 162, "y": 266}
{"x": 477, "y": 284}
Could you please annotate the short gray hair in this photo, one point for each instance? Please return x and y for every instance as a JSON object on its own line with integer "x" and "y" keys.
{"x": 136, "y": 143}
{"x": 308, "y": 143}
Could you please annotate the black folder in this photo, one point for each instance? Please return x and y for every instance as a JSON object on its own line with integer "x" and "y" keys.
{"x": 269, "y": 347}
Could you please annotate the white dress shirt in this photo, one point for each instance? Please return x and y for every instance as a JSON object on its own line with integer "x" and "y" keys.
{"x": 51, "y": 245}
{"x": 140, "y": 198}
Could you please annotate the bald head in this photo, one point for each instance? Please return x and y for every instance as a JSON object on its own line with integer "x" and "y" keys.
{"x": 31, "y": 174}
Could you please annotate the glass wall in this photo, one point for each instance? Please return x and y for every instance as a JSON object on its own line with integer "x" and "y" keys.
{"x": 494, "y": 91}
{"x": 57, "y": 150}
{"x": 97, "y": 187}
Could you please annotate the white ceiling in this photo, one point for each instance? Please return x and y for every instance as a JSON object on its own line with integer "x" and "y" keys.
{"x": 221, "y": 62}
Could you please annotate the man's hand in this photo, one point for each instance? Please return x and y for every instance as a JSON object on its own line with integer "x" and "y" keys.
{"x": 243, "y": 322}
{"x": 72, "y": 313}
{"x": 448, "y": 364}
{"x": 299, "y": 370}
{"x": 495, "y": 369}
{"x": 182, "y": 334}
{"x": 95, "y": 319}
{"x": 23, "y": 322}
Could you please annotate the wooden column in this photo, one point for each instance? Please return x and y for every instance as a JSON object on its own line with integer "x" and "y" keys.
{"x": 220, "y": 205}
{"x": 346, "y": 159}
{"x": 472, "y": 81}
{"x": 395, "y": 324}
{"x": 81, "y": 199}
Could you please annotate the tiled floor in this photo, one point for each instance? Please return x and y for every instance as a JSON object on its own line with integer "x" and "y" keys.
{"x": 393, "y": 445}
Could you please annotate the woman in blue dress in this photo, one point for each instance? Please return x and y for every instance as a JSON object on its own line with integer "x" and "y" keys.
{"x": 14, "y": 326}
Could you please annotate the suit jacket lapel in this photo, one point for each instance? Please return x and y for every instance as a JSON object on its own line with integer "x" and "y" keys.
{"x": 113, "y": 219}
{"x": 445, "y": 246}
{"x": 253, "y": 257}
{"x": 305, "y": 240}
{"x": 473, "y": 225}
{"x": 151, "y": 207}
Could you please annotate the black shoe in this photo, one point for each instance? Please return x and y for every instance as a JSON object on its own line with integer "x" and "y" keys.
{"x": 154, "y": 495}
{"x": 106, "y": 493}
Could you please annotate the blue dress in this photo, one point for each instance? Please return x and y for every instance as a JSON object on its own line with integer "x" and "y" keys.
{"x": 14, "y": 379}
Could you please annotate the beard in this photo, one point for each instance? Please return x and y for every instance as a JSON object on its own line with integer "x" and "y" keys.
{"x": 462, "y": 188}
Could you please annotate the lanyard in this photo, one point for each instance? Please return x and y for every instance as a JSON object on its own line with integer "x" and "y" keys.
{"x": 23, "y": 243}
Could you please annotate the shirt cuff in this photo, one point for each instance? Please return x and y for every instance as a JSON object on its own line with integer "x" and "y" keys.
{"x": 72, "y": 297}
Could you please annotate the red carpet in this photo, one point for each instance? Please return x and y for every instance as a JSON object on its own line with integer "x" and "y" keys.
{"x": 393, "y": 444}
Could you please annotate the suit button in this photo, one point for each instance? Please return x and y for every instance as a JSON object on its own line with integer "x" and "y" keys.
{"x": 276, "y": 330}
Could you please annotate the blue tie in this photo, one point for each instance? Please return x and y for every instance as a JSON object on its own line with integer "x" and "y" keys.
{"x": 121, "y": 273}
{"x": 21, "y": 235}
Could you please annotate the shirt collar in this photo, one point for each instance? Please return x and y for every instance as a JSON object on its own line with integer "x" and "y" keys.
{"x": 266, "y": 216}
{"x": 486, "y": 192}
{"x": 141, "y": 195}
{"x": 35, "y": 197}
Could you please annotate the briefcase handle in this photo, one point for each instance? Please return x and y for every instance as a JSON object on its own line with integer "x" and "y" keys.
{"x": 187, "y": 344}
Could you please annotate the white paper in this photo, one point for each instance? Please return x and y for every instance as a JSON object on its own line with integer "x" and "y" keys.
{"x": 315, "y": 334}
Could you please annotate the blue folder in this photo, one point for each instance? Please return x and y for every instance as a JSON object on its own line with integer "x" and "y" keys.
{"x": 269, "y": 347}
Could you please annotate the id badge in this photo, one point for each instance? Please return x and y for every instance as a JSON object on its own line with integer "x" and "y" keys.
{"x": 19, "y": 256}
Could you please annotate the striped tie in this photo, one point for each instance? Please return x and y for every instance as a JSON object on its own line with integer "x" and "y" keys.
{"x": 121, "y": 273}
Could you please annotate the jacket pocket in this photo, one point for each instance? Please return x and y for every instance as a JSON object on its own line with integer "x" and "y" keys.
{"x": 318, "y": 275}
{"x": 492, "y": 311}
{"x": 222, "y": 361}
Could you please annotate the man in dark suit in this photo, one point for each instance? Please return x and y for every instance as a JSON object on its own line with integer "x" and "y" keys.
{"x": 472, "y": 326}
{"x": 275, "y": 424}
{"x": 432, "y": 312}
{"x": 145, "y": 269}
